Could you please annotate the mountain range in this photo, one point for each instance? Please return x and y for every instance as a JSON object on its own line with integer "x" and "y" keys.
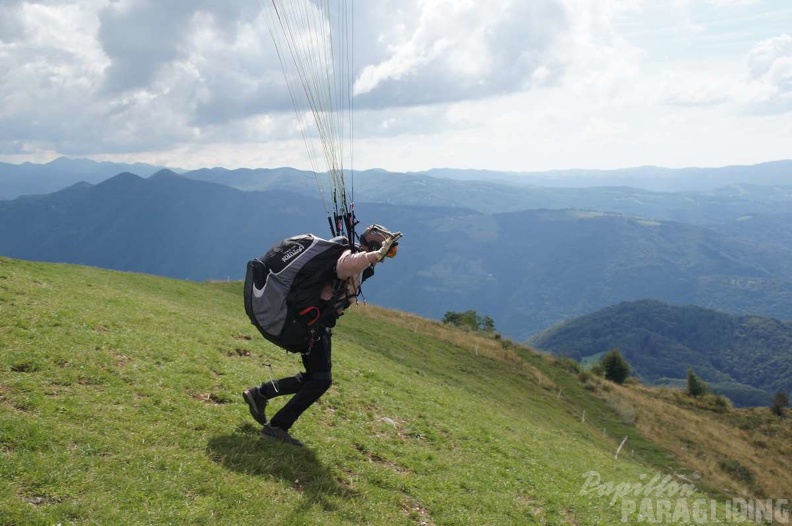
{"x": 641, "y": 189}
{"x": 527, "y": 269}
{"x": 34, "y": 178}
{"x": 655, "y": 178}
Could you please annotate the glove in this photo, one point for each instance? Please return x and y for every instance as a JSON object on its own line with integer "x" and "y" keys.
{"x": 388, "y": 248}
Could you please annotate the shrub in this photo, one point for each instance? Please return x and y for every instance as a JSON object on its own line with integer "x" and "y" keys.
{"x": 780, "y": 402}
{"x": 568, "y": 364}
{"x": 737, "y": 471}
{"x": 695, "y": 385}
{"x": 718, "y": 402}
{"x": 615, "y": 366}
{"x": 470, "y": 320}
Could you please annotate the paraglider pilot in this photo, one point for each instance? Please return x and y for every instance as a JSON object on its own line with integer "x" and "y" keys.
{"x": 351, "y": 268}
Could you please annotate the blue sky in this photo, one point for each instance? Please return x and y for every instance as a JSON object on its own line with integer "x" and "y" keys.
{"x": 704, "y": 30}
{"x": 517, "y": 85}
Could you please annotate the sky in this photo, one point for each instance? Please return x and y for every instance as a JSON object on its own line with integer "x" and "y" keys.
{"x": 510, "y": 85}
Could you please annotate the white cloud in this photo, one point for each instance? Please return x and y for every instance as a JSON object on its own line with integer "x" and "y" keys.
{"x": 447, "y": 50}
{"x": 601, "y": 62}
{"x": 439, "y": 82}
{"x": 770, "y": 65}
{"x": 92, "y": 76}
{"x": 696, "y": 88}
{"x": 10, "y": 29}
{"x": 762, "y": 58}
{"x": 49, "y": 75}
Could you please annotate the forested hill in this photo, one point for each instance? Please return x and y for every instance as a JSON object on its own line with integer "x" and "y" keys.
{"x": 747, "y": 358}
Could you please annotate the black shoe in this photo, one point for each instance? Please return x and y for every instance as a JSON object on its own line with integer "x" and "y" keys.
{"x": 257, "y": 403}
{"x": 277, "y": 433}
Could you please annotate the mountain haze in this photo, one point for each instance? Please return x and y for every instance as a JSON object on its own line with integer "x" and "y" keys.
{"x": 32, "y": 178}
{"x": 489, "y": 193}
{"x": 646, "y": 177}
{"x": 697, "y": 195}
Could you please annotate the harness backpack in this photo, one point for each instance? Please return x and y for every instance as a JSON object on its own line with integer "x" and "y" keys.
{"x": 283, "y": 288}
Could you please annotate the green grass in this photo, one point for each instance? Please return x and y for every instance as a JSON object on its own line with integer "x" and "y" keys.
{"x": 120, "y": 404}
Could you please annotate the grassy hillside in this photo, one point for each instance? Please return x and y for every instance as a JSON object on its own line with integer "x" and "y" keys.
{"x": 736, "y": 451}
{"x": 119, "y": 404}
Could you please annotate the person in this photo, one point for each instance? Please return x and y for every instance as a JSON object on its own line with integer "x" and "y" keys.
{"x": 351, "y": 269}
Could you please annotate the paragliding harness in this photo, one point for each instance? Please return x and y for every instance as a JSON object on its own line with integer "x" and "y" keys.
{"x": 283, "y": 288}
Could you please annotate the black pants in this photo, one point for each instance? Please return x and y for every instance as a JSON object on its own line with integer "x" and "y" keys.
{"x": 306, "y": 387}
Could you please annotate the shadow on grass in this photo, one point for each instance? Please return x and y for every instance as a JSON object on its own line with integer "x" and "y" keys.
{"x": 244, "y": 451}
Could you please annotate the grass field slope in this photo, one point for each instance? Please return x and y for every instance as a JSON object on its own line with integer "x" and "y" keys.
{"x": 120, "y": 404}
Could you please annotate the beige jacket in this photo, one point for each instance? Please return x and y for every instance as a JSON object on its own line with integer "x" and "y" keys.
{"x": 350, "y": 269}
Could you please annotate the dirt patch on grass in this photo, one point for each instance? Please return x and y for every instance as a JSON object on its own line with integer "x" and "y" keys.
{"x": 212, "y": 398}
{"x": 416, "y": 511}
{"x": 376, "y": 458}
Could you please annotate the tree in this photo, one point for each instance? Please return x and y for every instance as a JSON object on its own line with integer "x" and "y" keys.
{"x": 780, "y": 402}
{"x": 452, "y": 318}
{"x": 695, "y": 385}
{"x": 470, "y": 320}
{"x": 615, "y": 366}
